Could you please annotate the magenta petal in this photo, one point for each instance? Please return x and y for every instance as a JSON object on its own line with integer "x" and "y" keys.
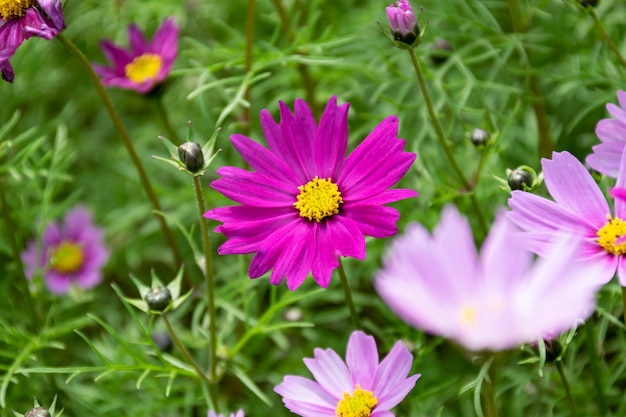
{"x": 620, "y": 204}
{"x": 295, "y": 260}
{"x": 348, "y": 239}
{"x": 254, "y": 189}
{"x": 332, "y": 139}
{"x": 263, "y": 161}
{"x": 375, "y": 221}
{"x": 326, "y": 261}
{"x": 165, "y": 40}
{"x": 572, "y": 187}
{"x": 138, "y": 44}
{"x": 54, "y": 10}
{"x": 57, "y": 283}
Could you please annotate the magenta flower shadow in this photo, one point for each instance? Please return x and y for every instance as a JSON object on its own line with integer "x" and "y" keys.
{"x": 71, "y": 253}
{"x": 359, "y": 387}
{"x": 21, "y": 20}
{"x": 606, "y": 155}
{"x": 492, "y": 301}
{"x": 579, "y": 208}
{"x": 145, "y": 64}
{"x": 305, "y": 203}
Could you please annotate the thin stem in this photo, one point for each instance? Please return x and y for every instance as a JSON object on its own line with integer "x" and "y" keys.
{"x": 208, "y": 273}
{"x": 559, "y": 367}
{"x": 121, "y": 130}
{"x": 624, "y": 303}
{"x": 248, "y": 61}
{"x": 346, "y": 290}
{"x": 22, "y": 282}
{"x": 165, "y": 119}
{"x": 606, "y": 37}
{"x": 183, "y": 350}
{"x": 594, "y": 363}
{"x": 546, "y": 143}
{"x": 488, "y": 392}
{"x": 443, "y": 142}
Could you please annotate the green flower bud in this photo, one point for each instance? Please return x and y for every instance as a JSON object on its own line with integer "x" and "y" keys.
{"x": 520, "y": 177}
{"x": 480, "y": 137}
{"x": 38, "y": 412}
{"x": 190, "y": 154}
{"x": 158, "y": 298}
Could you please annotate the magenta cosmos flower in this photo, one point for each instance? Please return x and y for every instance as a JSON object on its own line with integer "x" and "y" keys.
{"x": 492, "y": 301}
{"x": 403, "y": 23}
{"x": 145, "y": 64}
{"x": 579, "y": 208}
{"x": 360, "y": 387}
{"x": 71, "y": 253}
{"x": 22, "y": 19}
{"x": 305, "y": 204}
{"x": 605, "y": 157}
{"x": 239, "y": 413}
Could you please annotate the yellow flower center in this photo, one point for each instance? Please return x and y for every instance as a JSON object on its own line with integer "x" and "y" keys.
{"x": 468, "y": 315}
{"x": 143, "y": 68}
{"x": 67, "y": 257}
{"x": 359, "y": 404}
{"x": 318, "y": 198}
{"x": 612, "y": 236}
{"x": 10, "y": 9}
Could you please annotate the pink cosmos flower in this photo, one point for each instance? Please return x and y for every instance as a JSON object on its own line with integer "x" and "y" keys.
{"x": 71, "y": 253}
{"x": 579, "y": 208}
{"x": 239, "y": 413}
{"x": 492, "y": 301}
{"x": 305, "y": 204}
{"x": 359, "y": 387}
{"x": 605, "y": 157}
{"x": 403, "y": 23}
{"x": 145, "y": 64}
{"x": 22, "y": 19}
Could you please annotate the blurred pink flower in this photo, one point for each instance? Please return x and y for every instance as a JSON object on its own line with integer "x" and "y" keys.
{"x": 605, "y": 157}
{"x": 239, "y": 413}
{"x": 72, "y": 253}
{"x": 22, "y": 19}
{"x": 359, "y": 387}
{"x": 305, "y": 203}
{"x": 145, "y": 64}
{"x": 492, "y": 301}
{"x": 579, "y": 208}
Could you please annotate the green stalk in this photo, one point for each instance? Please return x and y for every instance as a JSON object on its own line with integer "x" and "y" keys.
{"x": 128, "y": 144}
{"x": 606, "y": 37}
{"x": 624, "y": 303}
{"x": 570, "y": 399}
{"x": 488, "y": 392}
{"x": 167, "y": 125}
{"x": 444, "y": 143}
{"x": 248, "y": 61}
{"x": 594, "y": 363}
{"x": 346, "y": 290}
{"x": 546, "y": 143}
{"x": 208, "y": 273}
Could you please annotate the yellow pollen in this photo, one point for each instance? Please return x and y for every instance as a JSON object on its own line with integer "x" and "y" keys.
{"x": 359, "y": 404}
{"x": 612, "y": 236}
{"x": 318, "y": 198}
{"x": 10, "y": 9}
{"x": 143, "y": 67}
{"x": 67, "y": 257}
{"x": 468, "y": 316}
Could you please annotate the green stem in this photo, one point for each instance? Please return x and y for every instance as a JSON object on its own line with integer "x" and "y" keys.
{"x": 128, "y": 144}
{"x": 346, "y": 290}
{"x": 248, "y": 61}
{"x": 546, "y": 143}
{"x": 208, "y": 273}
{"x": 624, "y": 303}
{"x": 594, "y": 363}
{"x": 606, "y": 37}
{"x": 488, "y": 391}
{"x": 167, "y": 124}
{"x": 12, "y": 235}
{"x": 443, "y": 142}
{"x": 570, "y": 399}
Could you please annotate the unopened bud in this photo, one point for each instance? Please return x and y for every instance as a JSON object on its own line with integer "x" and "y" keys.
{"x": 403, "y": 23}
{"x": 479, "y": 137}
{"x": 592, "y": 3}
{"x": 37, "y": 412}
{"x": 520, "y": 177}
{"x": 190, "y": 154}
{"x": 158, "y": 298}
{"x": 440, "y": 51}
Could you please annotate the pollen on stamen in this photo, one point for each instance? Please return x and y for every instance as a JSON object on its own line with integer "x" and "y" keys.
{"x": 612, "y": 236}
{"x": 318, "y": 198}
{"x": 10, "y": 9}
{"x": 359, "y": 404}
{"x": 143, "y": 67}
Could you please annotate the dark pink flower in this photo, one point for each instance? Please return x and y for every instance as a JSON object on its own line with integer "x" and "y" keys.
{"x": 305, "y": 203}
{"x": 22, "y": 19}
{"x": 145, "y": 64}
{"x": 403, "y": 23}
{"x": 71, "y": 253}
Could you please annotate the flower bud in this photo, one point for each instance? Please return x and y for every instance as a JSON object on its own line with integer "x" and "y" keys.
{"x": 37, "y": 412}
{"x": 190, "y": 154}
{"x": 404, "y": 26}
{"x": 440, "y": 51}
{"x": 158, "y": 298}
{"x": 520, "y": 177}
{"x": 480, "y": 137}
{"x": 163, "y": 341}
{"x": 592, "y": 3}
